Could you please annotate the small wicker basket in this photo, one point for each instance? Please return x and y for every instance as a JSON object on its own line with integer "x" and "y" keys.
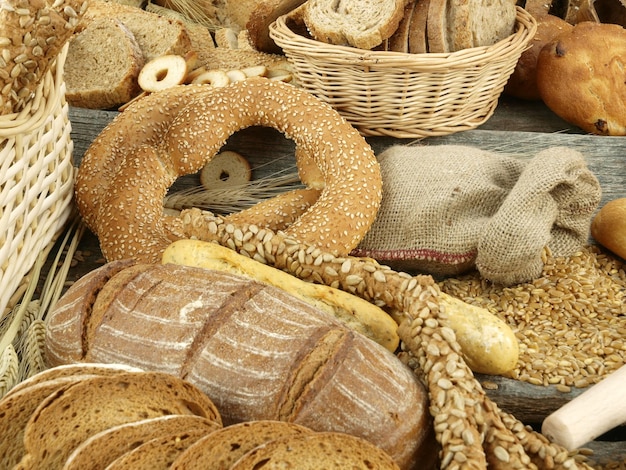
{"x": 405, "y": 95}
{"x": 36, "y": 180}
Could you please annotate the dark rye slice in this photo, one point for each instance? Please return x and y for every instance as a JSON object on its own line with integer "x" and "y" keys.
{"x": 328, "y": 450}
{"x": 418, "y": 40}
{"x": 73, "y": 415}
{"x": 221, "y": 449}
{"x": 103, "y": 448}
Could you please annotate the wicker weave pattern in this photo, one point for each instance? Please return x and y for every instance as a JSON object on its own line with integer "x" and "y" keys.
{"x": 36, "y": 179}
{"x": 406, "y": 95}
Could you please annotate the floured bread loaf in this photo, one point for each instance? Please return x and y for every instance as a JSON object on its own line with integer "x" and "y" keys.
{"x": 356, "y": 23}
{"x": 255, "y": 350}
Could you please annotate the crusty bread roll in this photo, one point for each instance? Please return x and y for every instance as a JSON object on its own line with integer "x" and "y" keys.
{"x": 580, "y": 76}
{"x": 523, "y": 81}
{"x": 608, "y": 227}
{"x": 255, "y": 350}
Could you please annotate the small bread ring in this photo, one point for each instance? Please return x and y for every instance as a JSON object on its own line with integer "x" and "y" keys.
{"x": 128, "y": 169}
{"x": 216, "y": 78}
{"x": 162, "y": 72}
{"x": 225, "y": 170}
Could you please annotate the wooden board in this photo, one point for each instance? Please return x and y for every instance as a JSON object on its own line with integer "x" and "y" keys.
{"x": 517, "y": 127}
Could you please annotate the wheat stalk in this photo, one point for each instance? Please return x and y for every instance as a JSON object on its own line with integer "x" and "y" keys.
{"x": 196, "y": 11}
{"x": 9, "y": 369}
{"x": 236, "y": 197}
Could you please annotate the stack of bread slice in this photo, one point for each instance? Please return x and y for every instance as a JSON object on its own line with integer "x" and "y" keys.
{"x": 113, "y": 416}
{"x": 438, "y": 26}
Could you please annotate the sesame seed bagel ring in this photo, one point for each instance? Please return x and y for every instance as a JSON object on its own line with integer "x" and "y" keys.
{"x": 129, "y": 167}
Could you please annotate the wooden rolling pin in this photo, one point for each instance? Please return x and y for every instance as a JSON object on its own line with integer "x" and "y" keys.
{"x": 590, "y": 414}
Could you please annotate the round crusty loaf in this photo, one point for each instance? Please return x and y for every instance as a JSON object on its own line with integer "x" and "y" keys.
{"x": 223, "y": 448}
{"x": 103, "y": 448}
{"x": 608, "y": 227}
{"x": 256, "y": 351}
{"x": 32, "y": 33}
{"x": 523, "y": 81}
{"x": 88, "y": 406}
{"x": 580, "y": 76}
{"x": 328, "y": 450}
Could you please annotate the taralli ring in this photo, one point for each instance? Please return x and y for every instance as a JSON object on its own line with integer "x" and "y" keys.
{"x": 129, "y": 167}
{"x": 226, "y": 169}
{"x": 163, "y": 72}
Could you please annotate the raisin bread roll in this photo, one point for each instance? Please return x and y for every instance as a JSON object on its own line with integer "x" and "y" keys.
{"x": 255, "y": 350}
{"x": 580, "y": 76}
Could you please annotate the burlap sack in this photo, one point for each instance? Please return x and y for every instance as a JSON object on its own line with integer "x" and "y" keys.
{"x": 447, "y": 209}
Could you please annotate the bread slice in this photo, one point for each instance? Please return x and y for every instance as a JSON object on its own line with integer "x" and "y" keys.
{"x": 222, "y": 448}
{"x": 16, "y": 410}
{"x": 418, "y": 40}
{"x": 492, "y": 21}
{"x": 93, "y": 405}
{"x": 399, "y": 40}
{"x": 328, "y": 450}
{"x": 436, "y": 26}
{"x": 156, "y": 35}
{"x": 70, "y": 370}
{"x": 362, "y": 24}
{"x": 103, "y": 448}
{"x": 102, "y": 65}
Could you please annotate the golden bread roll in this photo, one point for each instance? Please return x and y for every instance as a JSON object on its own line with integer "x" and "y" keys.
{"x": 608, "y": 227}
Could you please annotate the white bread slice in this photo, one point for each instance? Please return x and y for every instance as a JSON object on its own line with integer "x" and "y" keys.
{"x": 103, "y": 448}
{"x": 102, "y": 65}
{"x": 95, "y": 404}
{"x": 436, "y": 26}
{"x": 328, "y": 450}
{"x": 492, "y": 21}
{"x": 222, "y": 448}
{"x": 363, "y": 24}
{"x": 156, "y": 35}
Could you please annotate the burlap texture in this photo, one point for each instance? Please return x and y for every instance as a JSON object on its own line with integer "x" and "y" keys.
{"x": 447, "y": 209}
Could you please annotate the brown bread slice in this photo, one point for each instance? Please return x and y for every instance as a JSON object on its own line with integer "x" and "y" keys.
{"x": 327, "y": 450}
{"x": 358, "y": 23}
{"x": 436, "y": 26}
{"x": 399, "y": 40}
{"x": 70, "y": 370}
{"x": 16, "y": 410}
{"x": 223, "y": 448}
{"x": 155, "y": 34}
{"x": 158, "y": 453}
{"x": 477, "y": 23}
{"x": 418, "y": 40}
{"x": 102, "y": 65}
{"x": 98, "y": 403}
{"x": 103, "y": 448}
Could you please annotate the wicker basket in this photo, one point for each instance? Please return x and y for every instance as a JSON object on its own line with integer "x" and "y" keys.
{"x": 36, "y": 180}
{"x": 405, "y": 95}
